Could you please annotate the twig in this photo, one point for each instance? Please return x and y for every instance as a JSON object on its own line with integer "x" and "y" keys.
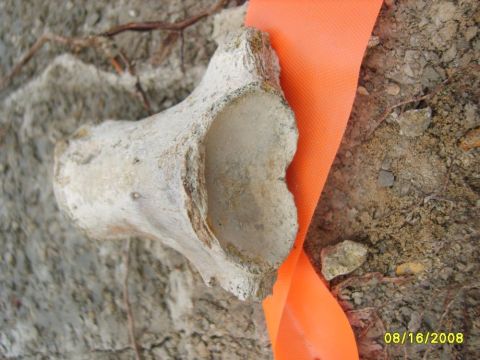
{"x": 182, "y": 51}
{"x": 415, "y": 99}
{"x": 439, "y": 195}
{"x": 96, "y": 41}
{"x": 447, "y": 177}
{"x": 163, "y": 25}
{"x": 143, "y": 96}
{"x": 118, "y": 68}
{"x": 138, "y": 85}
{"x": 164, "y": 49}
{"x": 76, "y": 43}
{"x": 126, "y": 300}
{"x": 365, "y": 278}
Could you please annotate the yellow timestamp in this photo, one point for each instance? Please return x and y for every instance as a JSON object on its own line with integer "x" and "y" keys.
{"x": 401, "y": 338}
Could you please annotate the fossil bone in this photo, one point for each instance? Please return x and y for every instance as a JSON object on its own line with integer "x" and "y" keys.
{"x": 206, "y": 177}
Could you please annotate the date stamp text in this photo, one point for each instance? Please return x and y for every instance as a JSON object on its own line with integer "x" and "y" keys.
{"x": 440, "y": 338}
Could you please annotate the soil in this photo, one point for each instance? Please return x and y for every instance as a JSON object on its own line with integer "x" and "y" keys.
{"x": 410, "y": 199}
{"x": 428, "y": 212}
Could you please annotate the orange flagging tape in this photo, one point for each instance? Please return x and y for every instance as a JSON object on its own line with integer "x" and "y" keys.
{"x": 320, "y": 44}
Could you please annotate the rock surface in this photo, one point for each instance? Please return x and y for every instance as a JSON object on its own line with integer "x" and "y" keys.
{"x": 342, "y": 258}
{"x": 413, "y": 123}
{"x": 385, "y": 178}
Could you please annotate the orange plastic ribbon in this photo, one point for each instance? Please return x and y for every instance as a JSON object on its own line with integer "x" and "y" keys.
{"x": 320, "y": 44}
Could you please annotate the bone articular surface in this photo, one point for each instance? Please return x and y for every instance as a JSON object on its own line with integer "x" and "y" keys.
{"x": 206, "y": 177}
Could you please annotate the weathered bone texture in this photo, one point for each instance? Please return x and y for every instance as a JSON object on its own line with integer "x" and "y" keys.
{"x": 206, "y": 177}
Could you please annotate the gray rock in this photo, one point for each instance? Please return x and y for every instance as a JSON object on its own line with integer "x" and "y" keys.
{"x": 471, "y": 118}
{"x": 415, "y": 322}
{"x": 413, "y": 123}
{"x": 407, "y": 69}
{"x": 448, "y": 32}
{"x": 443, "y": 12}
{"x": 430, "y": 76}
{"x": 385, "y": 178}
{"x": 386, "y": 163}
{"x": 342, "y": 258}
{"x": 450, "y": 54}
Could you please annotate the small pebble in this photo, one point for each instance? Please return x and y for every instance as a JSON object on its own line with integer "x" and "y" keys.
{"x": 409, "y": 268}
{"x": 407, "y": 69}
{"x": 133, "y": 13}
{"x": 470, "y": 140}
{"x": 342, "y": 258}
{"x": 92, "y": 19}
{"x": 385, "y": 178}
{"x": 471, "y": 32}
{"x": 373, "y": 41}
{"x": 392, "y": 89}
{"x": 445, "y": 273}
{"x": 357, "y": 297}
{"x": 471, "y": 119}
{"x": 362, "y": 91}
{"x": 413, "y": 123}
{"x": 386, "y": 163}
{"x": 443, "y": 11}
{"x": 450, "y": 54}
{"x": 405, "y": 188}
{"x": 415, "y": 322}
